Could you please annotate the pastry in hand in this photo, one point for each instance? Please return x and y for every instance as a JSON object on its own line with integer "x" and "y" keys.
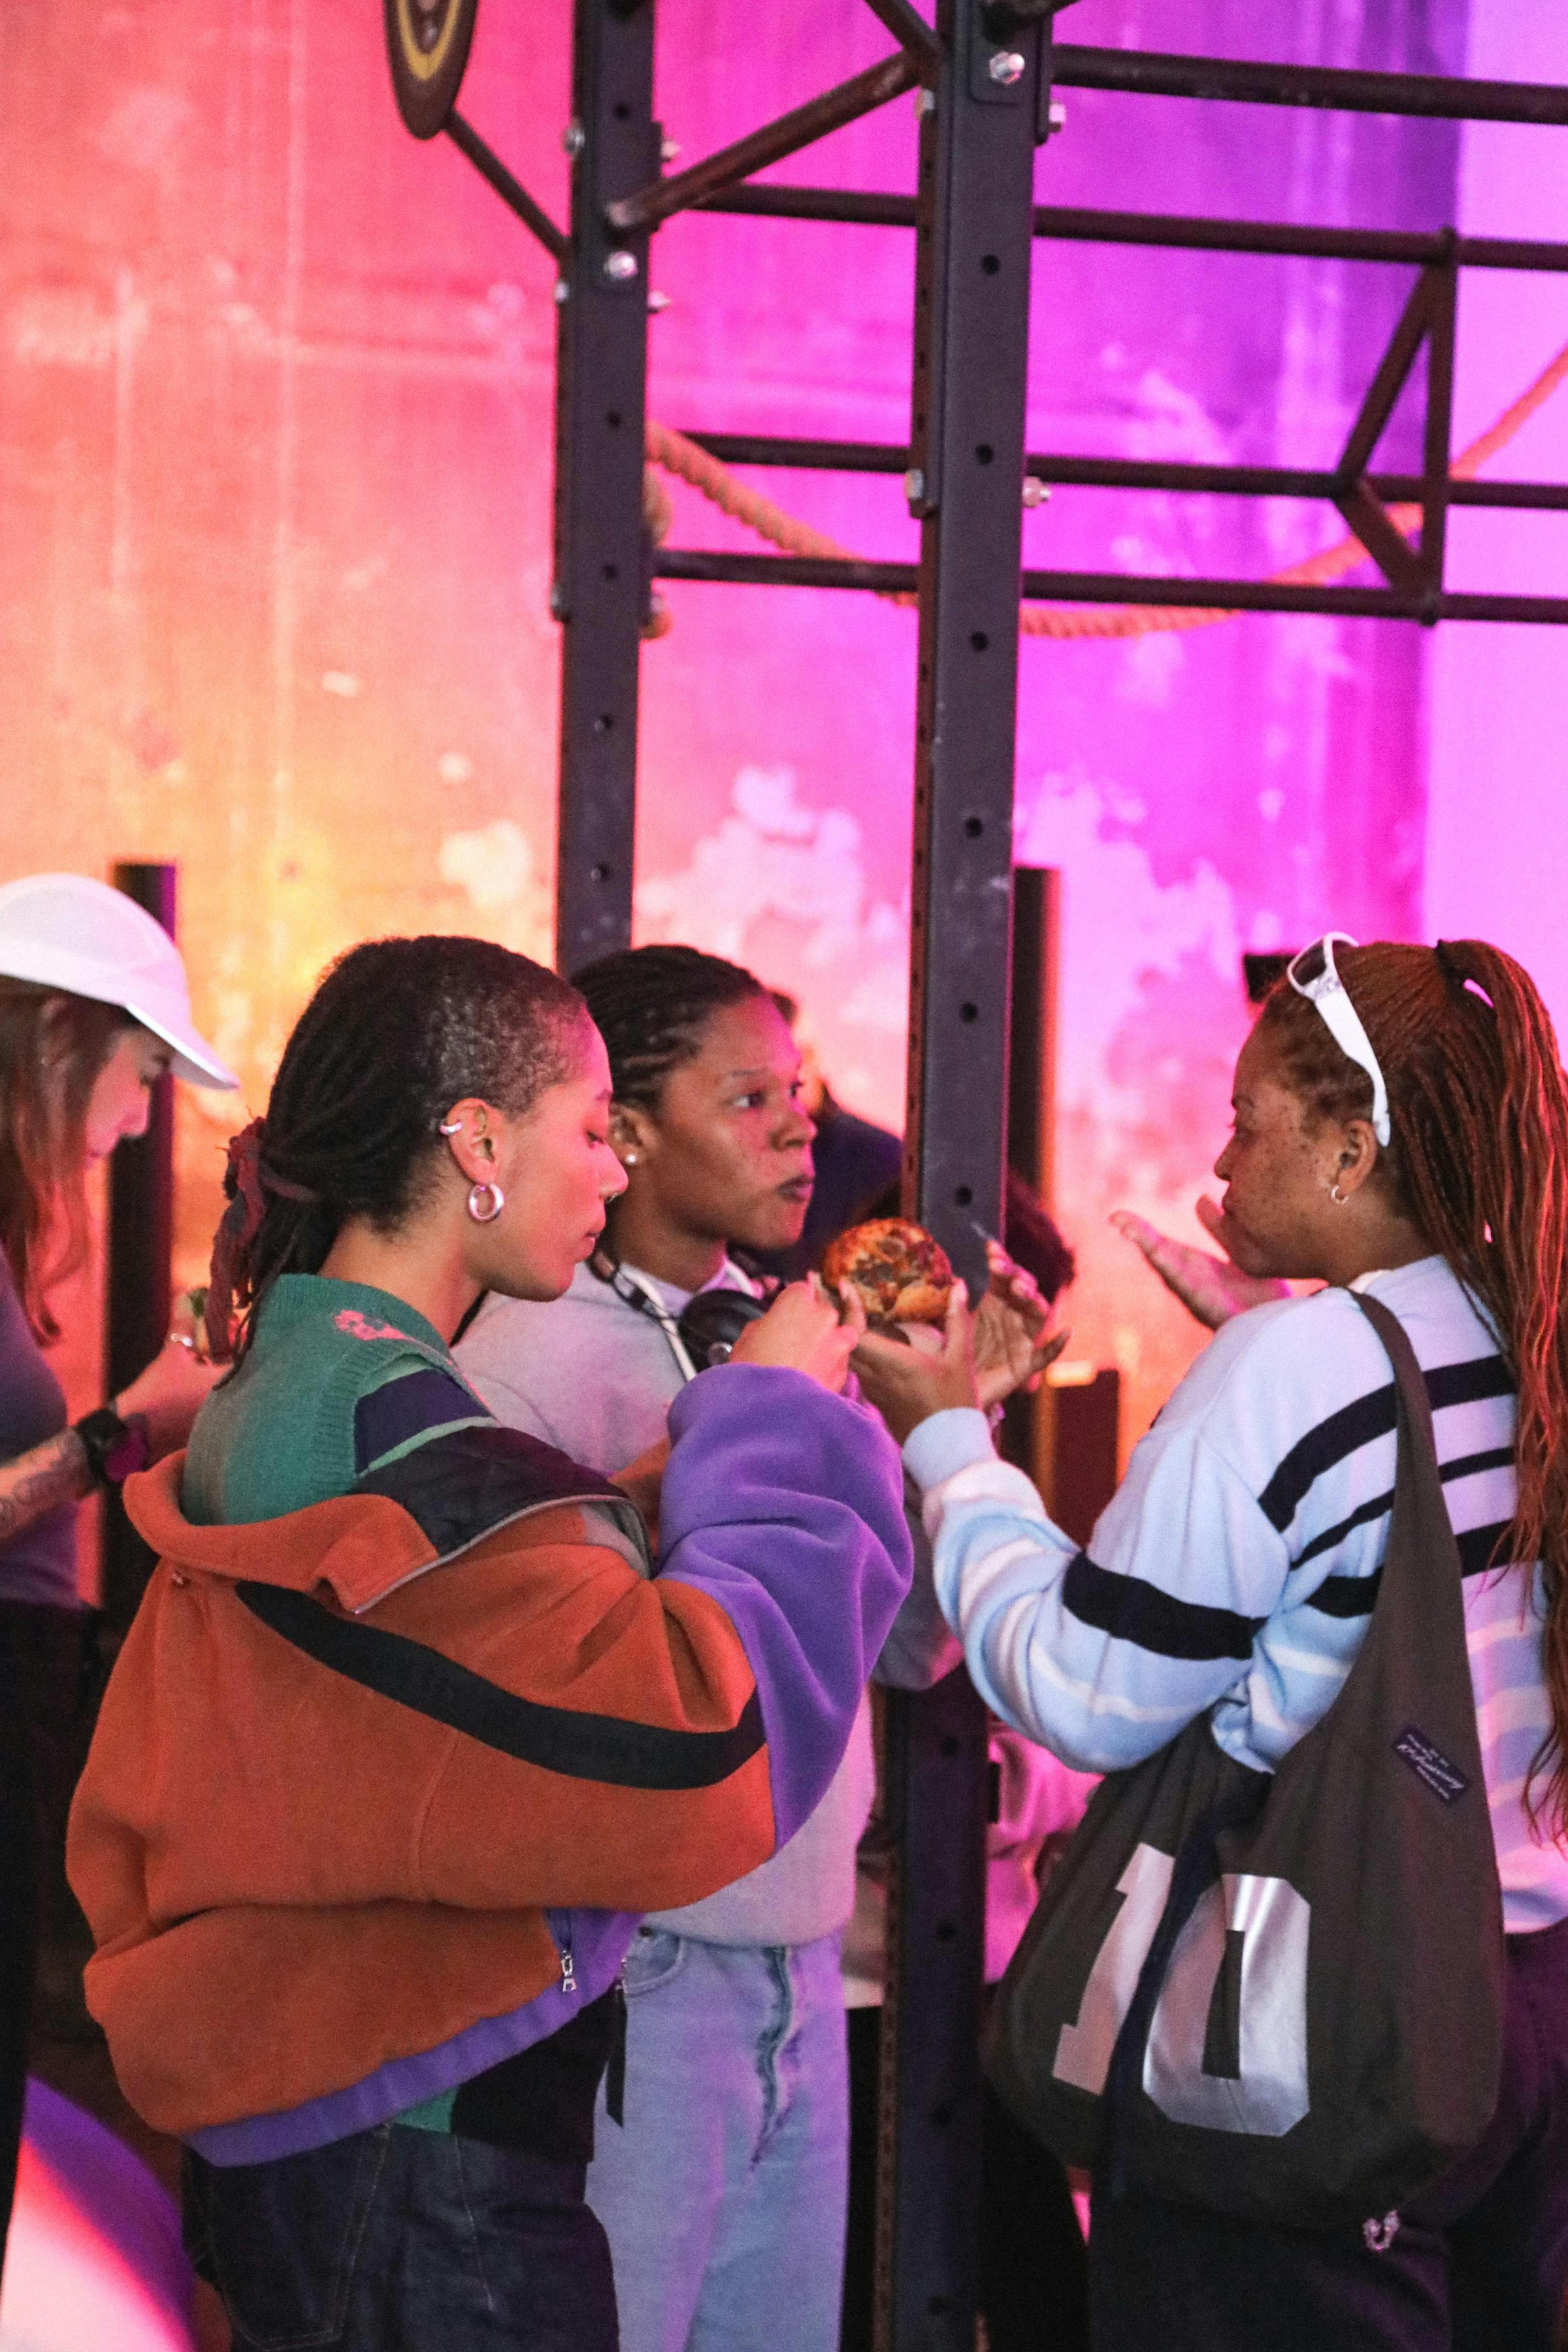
{"x": 900, "y": 1275}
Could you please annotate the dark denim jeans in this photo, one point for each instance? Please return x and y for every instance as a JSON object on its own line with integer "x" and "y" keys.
{"x": 402, "y": 2240}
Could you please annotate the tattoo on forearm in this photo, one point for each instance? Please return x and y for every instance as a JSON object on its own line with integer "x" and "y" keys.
{"x": 41, "y": 1481}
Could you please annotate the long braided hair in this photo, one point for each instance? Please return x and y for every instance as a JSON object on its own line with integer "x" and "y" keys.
{"x": 397, "y": 1031}
{"x": 1479, "y": 1161}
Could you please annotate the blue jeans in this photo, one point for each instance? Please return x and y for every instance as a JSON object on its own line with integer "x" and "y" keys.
{"x": 402, "y": 2241}
{"x": 723, "y": 2194}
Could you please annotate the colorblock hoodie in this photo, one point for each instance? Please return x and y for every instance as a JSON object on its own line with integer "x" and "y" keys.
{"x": 359, "y": 1764}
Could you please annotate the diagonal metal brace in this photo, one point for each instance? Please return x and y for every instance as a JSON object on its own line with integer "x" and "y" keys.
{"x": 912, "y": 32}
{"x": 511, "y": 191}
{"x": 847, "y": 102}
{"x": 1427, "y": 318}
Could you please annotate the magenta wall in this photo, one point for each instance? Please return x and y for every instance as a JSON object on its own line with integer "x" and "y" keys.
{"x": 274, "y": 426}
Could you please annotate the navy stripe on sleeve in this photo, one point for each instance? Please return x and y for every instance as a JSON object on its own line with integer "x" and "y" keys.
{"x": 1501, "y": 1458}
{"x": 1354, "y": 1596}
{"x": 1368, "y": 1418}
{"x": 1130, "y": 1611}
{"x": 409, "y": 1407}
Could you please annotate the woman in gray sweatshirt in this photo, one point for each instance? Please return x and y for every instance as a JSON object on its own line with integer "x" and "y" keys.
{"x": 723, "y": 2191}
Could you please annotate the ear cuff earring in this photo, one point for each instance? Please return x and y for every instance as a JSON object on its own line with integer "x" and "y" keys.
{"x": 451, "y": 1126}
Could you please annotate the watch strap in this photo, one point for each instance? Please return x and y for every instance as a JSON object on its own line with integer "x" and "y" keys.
{"x": 115, "y": 1446}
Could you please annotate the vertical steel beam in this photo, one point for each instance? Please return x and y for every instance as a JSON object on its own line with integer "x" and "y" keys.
{"x": 140, "y": 1262}
{"x": 975, "y": 225}
{"x": 600, "y": 592}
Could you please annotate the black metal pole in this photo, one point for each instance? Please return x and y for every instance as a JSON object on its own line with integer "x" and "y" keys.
{"x": 140, "y": 1266}
{"x": 972, "y": 312}
{"x": 602, "y": 552}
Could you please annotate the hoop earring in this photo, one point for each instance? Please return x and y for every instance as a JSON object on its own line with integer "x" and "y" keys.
{"x": 497, "y": 1204}
{"x": 1341, "y": 1200}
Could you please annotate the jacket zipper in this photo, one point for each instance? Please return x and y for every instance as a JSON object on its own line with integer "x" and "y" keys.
{"x": 561, "y": 1929}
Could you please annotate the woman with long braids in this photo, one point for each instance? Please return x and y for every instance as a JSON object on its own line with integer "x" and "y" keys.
{"x": 407, "y": 1729}
{"x": 93, "y": 1009}
{"x": 1401, "y": 1129}
{"x": 724, "y": 2190}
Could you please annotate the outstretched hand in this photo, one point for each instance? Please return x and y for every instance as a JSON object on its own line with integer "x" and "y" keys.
{"x": 1013, "y": 1345}
{"x": 1211, "y": 1288}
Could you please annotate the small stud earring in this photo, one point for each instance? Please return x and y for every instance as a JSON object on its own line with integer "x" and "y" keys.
{"x": 628, "y": 1159}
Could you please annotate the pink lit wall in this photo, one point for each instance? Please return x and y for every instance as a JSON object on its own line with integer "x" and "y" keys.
{"x": 1497, "y": 853}
{"x": 274, "y": 433}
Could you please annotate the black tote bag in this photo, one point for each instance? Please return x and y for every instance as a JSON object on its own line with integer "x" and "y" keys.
{"x": 1280, "y": 1996}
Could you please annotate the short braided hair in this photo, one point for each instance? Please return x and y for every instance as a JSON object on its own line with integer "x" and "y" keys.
{"x": 651, "y": 1006}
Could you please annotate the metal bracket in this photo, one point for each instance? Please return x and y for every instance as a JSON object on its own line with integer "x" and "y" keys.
{"x": 1427, "y": 318}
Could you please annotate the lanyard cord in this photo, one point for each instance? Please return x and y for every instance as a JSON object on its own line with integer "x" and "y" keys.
{"x": 638, "y": 1292}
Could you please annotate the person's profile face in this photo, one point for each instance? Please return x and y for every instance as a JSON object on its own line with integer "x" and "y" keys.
{"x": 728, "y": 1150}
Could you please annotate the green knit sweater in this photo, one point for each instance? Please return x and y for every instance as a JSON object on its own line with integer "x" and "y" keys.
{"x": 338, "y": 1378}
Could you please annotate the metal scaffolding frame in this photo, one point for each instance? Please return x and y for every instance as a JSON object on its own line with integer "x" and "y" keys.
{"x": 985, "y": 73}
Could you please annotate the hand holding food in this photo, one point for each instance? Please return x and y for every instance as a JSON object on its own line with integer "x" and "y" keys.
{"x": 906, "y": 1384}
{"x": 802, "y": 1332}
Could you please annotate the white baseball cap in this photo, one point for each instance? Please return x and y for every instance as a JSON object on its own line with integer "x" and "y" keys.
{"x": 67, "y": 932}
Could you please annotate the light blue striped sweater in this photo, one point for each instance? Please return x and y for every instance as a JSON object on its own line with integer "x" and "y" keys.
{"x": 1236, "y": 1568}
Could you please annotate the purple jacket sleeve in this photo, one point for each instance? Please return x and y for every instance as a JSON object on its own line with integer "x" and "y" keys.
{"x": 786, "y": 1505}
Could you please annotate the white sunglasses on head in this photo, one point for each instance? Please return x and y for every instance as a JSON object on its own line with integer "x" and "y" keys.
{"x": 1312, "y": 975}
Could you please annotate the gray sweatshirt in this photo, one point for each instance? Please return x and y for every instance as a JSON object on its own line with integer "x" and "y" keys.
{"x": 596, "y": 1376}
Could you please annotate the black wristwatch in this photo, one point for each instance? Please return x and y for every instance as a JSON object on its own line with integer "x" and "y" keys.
{"x": 115, "y": 1448}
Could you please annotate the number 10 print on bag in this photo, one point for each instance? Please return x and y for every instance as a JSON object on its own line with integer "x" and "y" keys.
{"x": 1280, "y": 1995}
{"x": 1227, "y": 2040}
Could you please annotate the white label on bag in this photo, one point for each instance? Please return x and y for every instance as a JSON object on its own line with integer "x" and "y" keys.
{"x": 1083, "y": 2050}
{"x": 1268, "y": 2094}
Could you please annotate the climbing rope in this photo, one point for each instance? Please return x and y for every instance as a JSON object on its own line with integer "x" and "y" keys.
{"x": 681, "y": 455}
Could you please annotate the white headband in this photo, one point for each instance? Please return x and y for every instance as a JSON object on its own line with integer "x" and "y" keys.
{"x": 1327, "y": 991}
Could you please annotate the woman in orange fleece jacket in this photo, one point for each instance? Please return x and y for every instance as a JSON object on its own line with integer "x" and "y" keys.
{"x": 408, "y": 1729}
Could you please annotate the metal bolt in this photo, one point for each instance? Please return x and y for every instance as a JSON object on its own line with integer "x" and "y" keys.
{"x": 573, "y": 139}
{"x": 669, "y": 149}
{"x": 1057, "y": 114}
{"x": 925, "y": 103}
{"x": 563, "y": 291}
{"x": 914, "y": 485}
{"x": 621, "y": 266}
{"x": 1006, "y": 66}
{"x": 657, "y": 302}
{"x": 1036, "y": 492}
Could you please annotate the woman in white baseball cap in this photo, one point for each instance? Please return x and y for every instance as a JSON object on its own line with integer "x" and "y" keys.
{"x": 93, "y": 1007}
